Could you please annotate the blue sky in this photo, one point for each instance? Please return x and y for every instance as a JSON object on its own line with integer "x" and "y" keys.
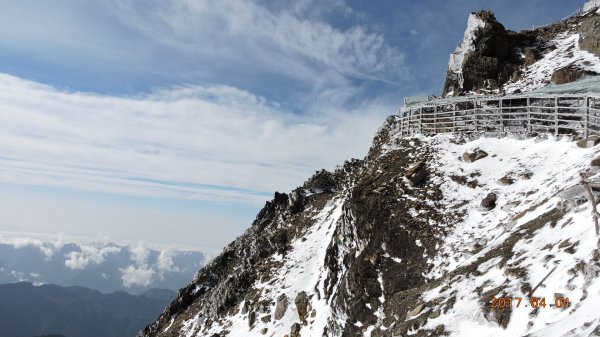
{"x": 173, "y": 121}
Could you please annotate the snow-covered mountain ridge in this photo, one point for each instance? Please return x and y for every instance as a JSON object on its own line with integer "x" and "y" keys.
{"x": 416, "y": 239}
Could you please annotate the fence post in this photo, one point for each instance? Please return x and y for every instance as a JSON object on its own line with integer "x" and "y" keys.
{"x": 500, "y": 105}
{"x": 454, "y": 118}
{"x": 529, "y": 128}
{"x": 475, "y": 115}
{"x": 435, "y": 119}
{"x": 420, "y": 119}
{"x": 556, "y": 116}
{"x": 587, "y": 116}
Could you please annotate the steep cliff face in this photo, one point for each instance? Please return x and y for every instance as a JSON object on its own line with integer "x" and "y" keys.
{"x": 415, "y": 239}
{"x": 326, "y": 256}
{"x": 492, "y": 59}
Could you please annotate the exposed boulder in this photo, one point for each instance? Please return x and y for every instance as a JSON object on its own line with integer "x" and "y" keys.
{"x": 506, "y": 180}
{"x": 588, "y": 142}
{"x": 295, "y": 330}
{"x": 302, "y": 305}
{"x": 497, "y": 314}
{"x": 568, "y": 74}
{"x": 474, "y": 155}
{"x": 417, "y": 173}
{"x": 489, "y": 202}
{"x": 415, "y": 311}
{"x": 281, "y": 306}
{"x": 531, "y": 56}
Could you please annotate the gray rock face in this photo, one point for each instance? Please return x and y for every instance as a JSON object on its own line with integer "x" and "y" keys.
{"x": 589, "y": 34}
{"x": 568, "y": 74}
{"x": 489, "y": 202}
{"x": 588, "y": 142}
{"x": 321, "y": 181}
{"x": 295, "y": 330}
{"x": 474, "y": 155}
{"x": 281, "y": 306}
{"x": 302, "y": 305}
{"x": 417, "y": 173}
{"x": 495, "y": 58}
{"x": 500, "y": 55}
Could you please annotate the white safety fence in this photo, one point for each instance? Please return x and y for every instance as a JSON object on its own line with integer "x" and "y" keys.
{"x": 577, "y": 114}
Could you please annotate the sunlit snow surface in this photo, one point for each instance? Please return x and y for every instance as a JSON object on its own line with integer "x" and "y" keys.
{"x": 541, "y": 168}
{"x": 555, "y": 166}
{"x": 302, "y": 270}
{"x": 567, "y": 52}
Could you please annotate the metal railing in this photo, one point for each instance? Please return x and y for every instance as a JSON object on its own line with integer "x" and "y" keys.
{"x": 577, "y": 114}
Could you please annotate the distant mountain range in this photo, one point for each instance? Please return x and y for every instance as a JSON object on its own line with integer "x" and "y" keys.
{"x": 106, "y": 267}
{"x": 50, "y": 310}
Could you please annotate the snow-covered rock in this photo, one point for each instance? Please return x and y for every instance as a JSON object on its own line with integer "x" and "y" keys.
{"x": 359, "y": 259}
{"x": 591, "y": 4}
{"x": 455, "y": 65}
{"x": 493, "y": 60}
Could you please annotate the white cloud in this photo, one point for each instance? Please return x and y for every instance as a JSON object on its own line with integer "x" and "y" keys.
{"x": 88, "y": 254}
{"x": 165, "y": 262}
{"x": 132, "y": 275}
{"x": 139, "y": 254}
{"x": 289, "y": 40}
{"x": 22, "y": 242}
{"x": 213, "y": 143}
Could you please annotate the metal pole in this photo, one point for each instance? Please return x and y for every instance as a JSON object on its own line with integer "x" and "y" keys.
{"x": 590, "y": 195}
{"x": 587, "y": 117}
{"x": 420, "y": 119}
{"x": 435, "y": 119}
{"x": 529, "y": 128}
{"x": 542, "y": 281}
{"x": 501, "y": 115}
{"x": 556, "y": 116}
{"x": 454, "y": 118}
{"x": 475, "y": 116}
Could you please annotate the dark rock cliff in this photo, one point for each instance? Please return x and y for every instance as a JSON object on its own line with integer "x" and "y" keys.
{"x": 497, "y": 56}
{"x": 375, "y": 227}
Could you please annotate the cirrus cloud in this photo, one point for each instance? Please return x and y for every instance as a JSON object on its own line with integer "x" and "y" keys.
{"x": 214, "y": 143}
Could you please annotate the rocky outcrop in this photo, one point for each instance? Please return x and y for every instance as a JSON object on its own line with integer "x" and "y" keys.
{"x": 281, "y": 306}
{"x": 302, "y": 306}
{"x": 568, "y": 74}
{"x": 489, "y": 202}
{"x": 492, "y": 57}
{"x": 474, "y": 155}
{"x": 417, "y": 173}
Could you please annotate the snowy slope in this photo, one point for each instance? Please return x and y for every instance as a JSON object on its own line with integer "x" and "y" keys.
{"x": 566, "y": 53}
{"x": 567, "y": 242}
{"x": 468, "y": 257}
